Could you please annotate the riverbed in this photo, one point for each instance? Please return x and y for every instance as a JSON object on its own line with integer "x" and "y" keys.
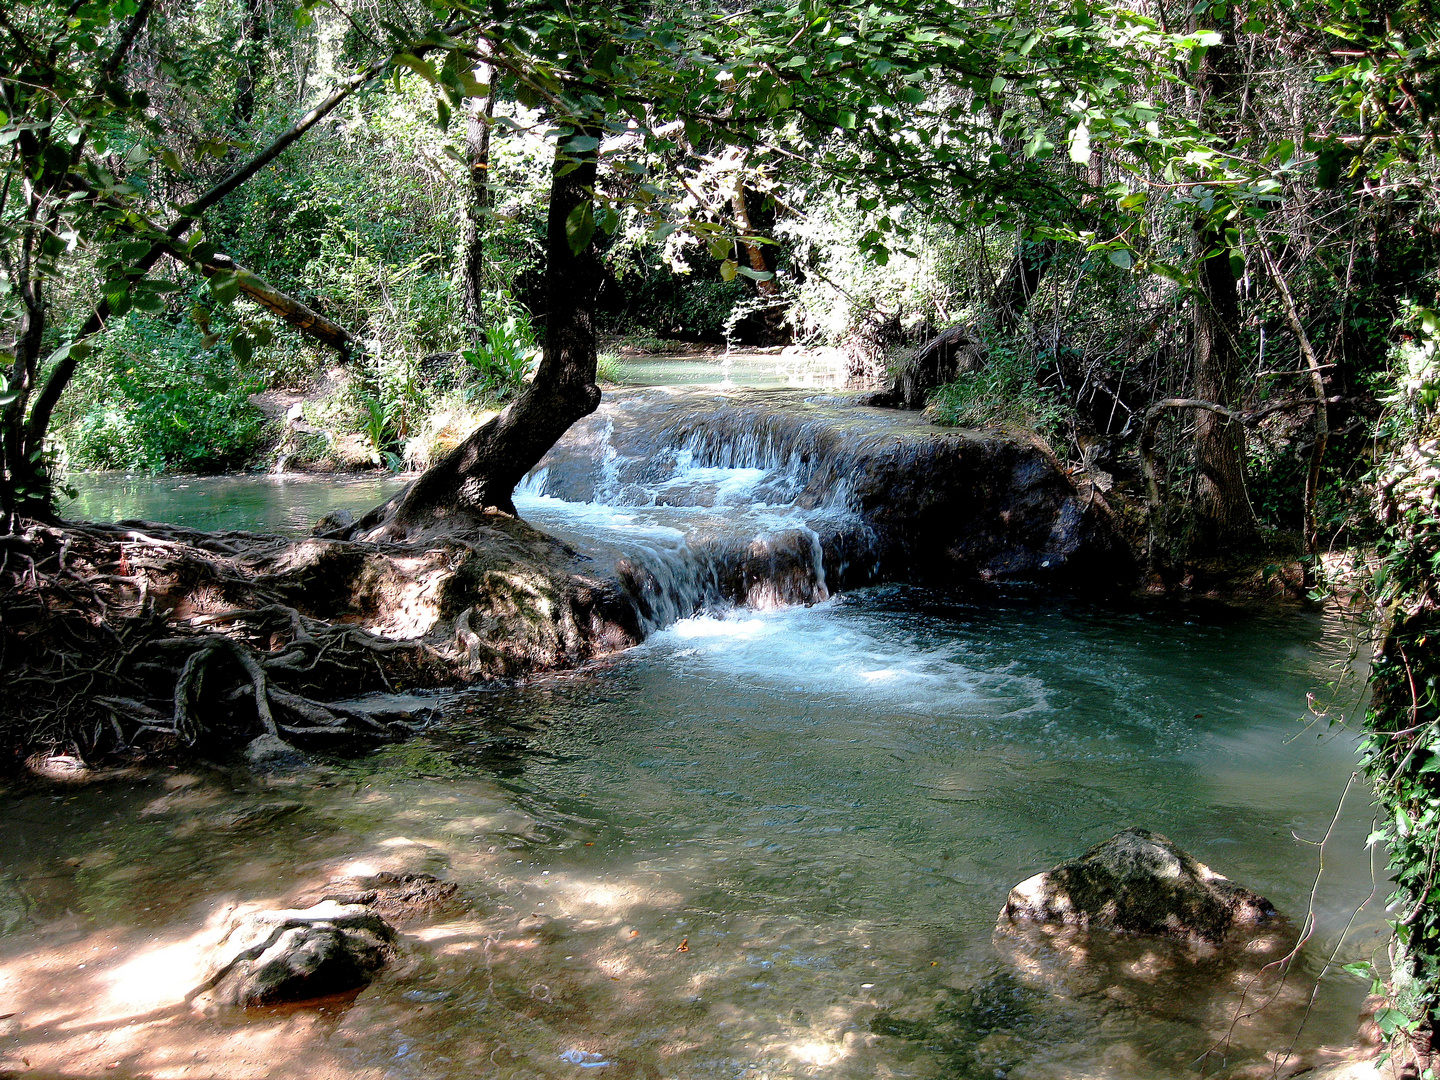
{"x": 769, "y": 842}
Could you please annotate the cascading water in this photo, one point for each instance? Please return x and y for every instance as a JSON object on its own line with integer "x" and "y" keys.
{"x": 692, "y": 518}
{"x": 703, "y": 499}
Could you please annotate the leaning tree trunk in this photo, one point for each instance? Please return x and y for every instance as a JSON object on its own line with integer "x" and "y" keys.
{"x": 481, "y": 473}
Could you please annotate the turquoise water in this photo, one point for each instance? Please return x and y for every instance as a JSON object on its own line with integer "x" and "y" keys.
{"x": 769, "y": 843}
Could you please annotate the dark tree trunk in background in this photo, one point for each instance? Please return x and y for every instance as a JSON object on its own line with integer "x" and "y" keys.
{"x": 1222, "y": 508}
{"x": 481, "y": 473}
{"x": 25, "y": 488}
{"x": 253, "y": 30}
{"x": 1016, "y": 288}
{"x": 1223, "y": 517}
{"x": 774, "y": 330}
{"x": 477, "y": 204}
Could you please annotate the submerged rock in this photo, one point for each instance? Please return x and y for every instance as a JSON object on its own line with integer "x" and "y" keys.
{"x": 1139, "y": 882}
{"x": 397, "y": 896}
{"x": 269, "y": 957}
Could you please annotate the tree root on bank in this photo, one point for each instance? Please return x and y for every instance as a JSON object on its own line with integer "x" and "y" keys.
{"x": 99, "y": 655}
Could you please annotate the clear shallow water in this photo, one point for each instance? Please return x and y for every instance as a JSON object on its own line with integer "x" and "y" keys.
{"x": 766, "y": 843}
{"x": 825, "y": 806}
{"x": 824, "y": 369}
{"x": 290, "y": 503}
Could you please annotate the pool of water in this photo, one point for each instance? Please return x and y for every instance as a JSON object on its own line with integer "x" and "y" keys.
{"x": 809, "y": 369}
{"x": 289, "y": 503}
{"x": 766, "y": 843}
{"x": 762, "y": 844}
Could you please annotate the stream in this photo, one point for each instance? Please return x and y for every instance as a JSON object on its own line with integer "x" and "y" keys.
{"x": 772, "y": 841}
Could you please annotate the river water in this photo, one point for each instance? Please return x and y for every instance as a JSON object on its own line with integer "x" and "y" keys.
{"x": 768, "y": 842}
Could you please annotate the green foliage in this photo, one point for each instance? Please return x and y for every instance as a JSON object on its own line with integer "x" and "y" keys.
{"x": 382, "y": 426}
{"x": 1402, "y": 742}
{"x": 1002, "y": 391}
{"x": 500, "y": 362}
{"x": 156, "y": 398}
{"x": 609, "y": 368}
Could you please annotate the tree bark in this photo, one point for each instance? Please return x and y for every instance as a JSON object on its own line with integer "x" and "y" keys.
{"x": 477, "y": 207}
{"x": 1222, "y": 506}
{"x": 481, "y": 473}
{"x": 1013, "y": 292}
{"x": 1223, "y": 516}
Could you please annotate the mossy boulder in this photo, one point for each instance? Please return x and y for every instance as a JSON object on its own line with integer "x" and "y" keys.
{"x": 1138, "y": 882}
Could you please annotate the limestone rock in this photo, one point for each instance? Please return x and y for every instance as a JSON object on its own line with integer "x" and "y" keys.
{"x": 270, "y": 751}
{"x": 397, "y": 896}
{"x": 337, "y": 523}
{"x": 269, "y": 957}
{"x": 1140, "y": 882}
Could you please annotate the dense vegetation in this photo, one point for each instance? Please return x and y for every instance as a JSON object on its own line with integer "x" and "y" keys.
{"x": 1195, "y": 248}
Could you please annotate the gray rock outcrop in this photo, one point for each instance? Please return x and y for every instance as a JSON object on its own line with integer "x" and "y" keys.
{"x": 270, "y": 957}
{"x": 1138, "y": 882}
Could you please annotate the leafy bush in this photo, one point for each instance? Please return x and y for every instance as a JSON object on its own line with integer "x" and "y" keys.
{"x": 1002, "y": 391}
{"x": 500, "y": 362}
{"x": 153, "y": 397}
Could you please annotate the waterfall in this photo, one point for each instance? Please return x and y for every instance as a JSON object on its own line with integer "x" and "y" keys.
{"x": 701, "y": 499}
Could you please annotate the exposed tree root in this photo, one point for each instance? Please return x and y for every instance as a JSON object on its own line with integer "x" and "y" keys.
{"x": 148, "y": 637}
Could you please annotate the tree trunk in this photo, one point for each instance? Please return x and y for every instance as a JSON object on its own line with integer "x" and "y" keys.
{"x": 1222, "y": 507}
{"x": 772, "y": 316}
{"x": 24, "y": 482}
{"x": 1223, "y": 517}
{"x": 253, "y": 32}
{"x": 1014, "y": 291}
{"x": 481, "y": 473}
{"x": 477, "y": 206}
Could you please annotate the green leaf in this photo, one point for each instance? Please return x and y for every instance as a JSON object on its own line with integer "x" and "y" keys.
{"x": 423, "y": 68}
{"x": 241, "y": 346}
{"x": 1121, "y": 257}
{"x": 1332, "y": 159}
{"x": 728, "y": 269}
{"x": 580, "y": 227}
{"x": 225, "y": 286}
{"x": 581, "y": 144}
{"x": 442, "y": 113}
{"x": 754, "y": 275}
